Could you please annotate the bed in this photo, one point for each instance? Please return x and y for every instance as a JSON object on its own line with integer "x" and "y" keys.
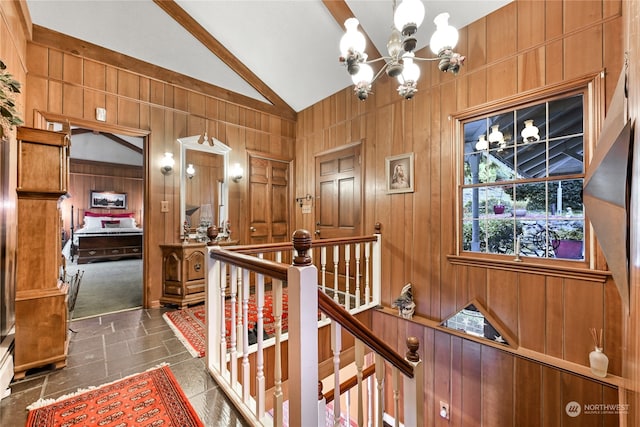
{"x": 105, "y": 237}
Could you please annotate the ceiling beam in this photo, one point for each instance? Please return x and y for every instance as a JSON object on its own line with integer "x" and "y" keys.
{"x": 201, "y": 34}
{"x": 112, "y": 137}
{"x": 49, "y": 38}
{"x": 341, "y": 12}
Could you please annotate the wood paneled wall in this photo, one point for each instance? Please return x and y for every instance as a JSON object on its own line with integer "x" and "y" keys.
{"x": 65, "y": 84}
{"x": 521, "y": 47}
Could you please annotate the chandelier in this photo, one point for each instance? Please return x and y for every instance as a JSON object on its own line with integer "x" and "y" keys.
{"x": 400, "y": 63}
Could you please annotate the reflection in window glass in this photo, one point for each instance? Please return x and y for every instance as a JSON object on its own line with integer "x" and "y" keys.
{"x": 523, "y": 176}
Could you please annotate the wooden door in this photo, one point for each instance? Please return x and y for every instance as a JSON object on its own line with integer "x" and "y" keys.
{"x": 339, "y": 193}
{"x": 269, "y": 200}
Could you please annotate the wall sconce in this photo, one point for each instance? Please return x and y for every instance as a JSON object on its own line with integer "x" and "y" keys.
{"x": 191, "y": 171}
{"x": 495, "y": 136}
{"x": 236, "y": 172}
{"x": 166, "y": 165}
{"x": 530, "y": 133}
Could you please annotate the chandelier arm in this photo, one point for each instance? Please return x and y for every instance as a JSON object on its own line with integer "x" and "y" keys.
{"x": 371, "y": 61}
{"x": 426, "y": 59}
{"x": 378, "y": 74}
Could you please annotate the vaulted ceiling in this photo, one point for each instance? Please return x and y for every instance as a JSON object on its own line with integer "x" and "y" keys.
{"x": 278, "y": 53}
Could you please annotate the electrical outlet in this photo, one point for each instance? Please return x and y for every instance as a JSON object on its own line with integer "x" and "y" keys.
{"x": 444, "y": 410}
{"x": 164, "y": 206}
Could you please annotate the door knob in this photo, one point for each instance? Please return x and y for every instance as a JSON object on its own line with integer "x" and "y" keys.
{"x": 317, "y": 232}
{"x": 252, "y": 229}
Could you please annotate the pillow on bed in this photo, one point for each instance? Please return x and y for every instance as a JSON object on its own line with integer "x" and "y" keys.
{"x": 94, "y": 221}
{"x": 128, "y": 223}
{"x": 111, "y": 223}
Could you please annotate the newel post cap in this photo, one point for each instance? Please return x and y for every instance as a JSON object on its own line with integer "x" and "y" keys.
{"x": 302, "y": 243}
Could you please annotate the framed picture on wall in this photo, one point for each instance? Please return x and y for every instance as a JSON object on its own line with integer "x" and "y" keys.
{"x": 108, "y": 200}
{"x": 399, "y": 173}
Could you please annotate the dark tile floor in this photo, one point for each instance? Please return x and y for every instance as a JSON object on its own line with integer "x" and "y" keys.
{"x": 109, "y": 347}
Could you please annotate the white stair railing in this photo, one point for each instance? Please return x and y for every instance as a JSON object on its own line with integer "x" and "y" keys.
{"x": 240, "y": 277}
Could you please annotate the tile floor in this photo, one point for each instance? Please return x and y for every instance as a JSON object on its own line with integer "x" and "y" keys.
{"x": 106, "y": 348}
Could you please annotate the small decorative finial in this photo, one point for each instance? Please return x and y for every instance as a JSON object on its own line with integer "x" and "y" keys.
{"x": 412, "y": 354}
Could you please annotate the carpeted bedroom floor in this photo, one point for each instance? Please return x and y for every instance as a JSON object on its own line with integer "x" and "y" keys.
{"x": 107, "y": 287}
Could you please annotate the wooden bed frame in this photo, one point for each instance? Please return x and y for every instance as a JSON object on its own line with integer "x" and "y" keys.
{"x": 108, "y": 247}
{"x": 105, "y": 246}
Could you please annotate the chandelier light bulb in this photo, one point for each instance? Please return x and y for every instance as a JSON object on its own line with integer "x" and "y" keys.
{"x": 411, "y": 71}
{"x": 445, "y": 37}
{"x": 394, "y": 45}
{"x": 364, "y": 75}
{"x": 408, "y": 16}
{"x": 495, "y": 135}
{"x": 482, "y": 144}
{"x": 352, "y": 40}
{"x": 530, "y": 133}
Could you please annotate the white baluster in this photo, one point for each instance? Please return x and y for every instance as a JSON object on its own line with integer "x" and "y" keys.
{"x": 367, "y": 262}
{"x": 260, "y": 380}
{"x": 238, "y": 320}
{"x": 377, "y": 270}
{"x": 336, "y": 260}
{"x": 357, "y": 272}
{"x": 359, "y": 361}
{"x": 221, "y": 314}
{"x": 380, "y": 389}
{"x": 347, "y": 260}
{"x": 233, "y": 291}
{"x": 246, "y": 375}
{"x": 277, "y": 315}
{"x": 336, "y": 346}
{"x": 396, "y": 395}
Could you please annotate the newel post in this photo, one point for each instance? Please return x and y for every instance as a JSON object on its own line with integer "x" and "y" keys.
{"x": 303, "y": 334}
{"x": 414, "y": 387}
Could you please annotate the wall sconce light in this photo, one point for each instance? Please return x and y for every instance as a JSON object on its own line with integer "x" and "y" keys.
{"x": 191, "y": 171}
{"x": 530, "y": 133}
{"x": 166, "y": 165}
{"x": 236, "y": 172}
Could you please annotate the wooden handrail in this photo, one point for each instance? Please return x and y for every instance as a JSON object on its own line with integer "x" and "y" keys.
{"x": 337, "y": 313}
{"x": 287, "y": 246}
{"x": 350, "y": 383}
{"x": 272, "y": 269}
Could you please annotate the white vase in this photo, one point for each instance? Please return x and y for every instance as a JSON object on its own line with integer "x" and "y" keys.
{"x": 599, "y": 362}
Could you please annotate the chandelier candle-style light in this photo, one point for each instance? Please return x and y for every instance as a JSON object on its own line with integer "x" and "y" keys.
{"x": 401, "y": 62}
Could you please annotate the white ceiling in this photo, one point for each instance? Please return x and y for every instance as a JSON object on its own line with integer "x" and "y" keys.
{"x": 289, "y": 45}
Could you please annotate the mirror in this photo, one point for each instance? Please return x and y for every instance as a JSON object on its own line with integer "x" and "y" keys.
{"x": 203, "y": 186}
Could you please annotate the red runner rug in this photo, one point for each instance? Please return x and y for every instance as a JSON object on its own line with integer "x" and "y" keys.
{"x": 188, "y": 323}
{"x": 152, "y": 398}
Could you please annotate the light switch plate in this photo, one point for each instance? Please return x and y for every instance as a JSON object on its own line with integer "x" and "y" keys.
{"x": 164, "y": 206}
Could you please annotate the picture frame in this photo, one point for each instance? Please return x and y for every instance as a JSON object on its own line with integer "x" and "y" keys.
{"x": 107, "y": 200}
{"x": 399, "y": 173}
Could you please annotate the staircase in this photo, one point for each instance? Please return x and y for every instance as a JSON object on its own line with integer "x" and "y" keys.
{"x": 329, "y": 284}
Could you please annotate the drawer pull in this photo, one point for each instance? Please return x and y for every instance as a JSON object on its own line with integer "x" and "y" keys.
{"x": 197, "y": 266}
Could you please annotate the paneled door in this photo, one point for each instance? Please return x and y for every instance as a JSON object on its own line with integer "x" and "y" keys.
{"x": 339, "y": 193}
{"x": 269, "y": 200}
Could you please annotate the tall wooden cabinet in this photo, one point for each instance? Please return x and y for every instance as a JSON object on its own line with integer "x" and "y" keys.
{"x": 41, "y": 309}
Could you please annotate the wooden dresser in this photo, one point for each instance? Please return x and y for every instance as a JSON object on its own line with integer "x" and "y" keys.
{"x": 41, "y": 308}
{"x": 183, "y": 270}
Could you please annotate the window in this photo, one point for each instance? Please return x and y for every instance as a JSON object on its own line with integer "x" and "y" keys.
{"x": 522, "y": 177}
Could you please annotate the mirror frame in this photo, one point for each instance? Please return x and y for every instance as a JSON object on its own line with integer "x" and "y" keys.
{"x": 212, "y": 146}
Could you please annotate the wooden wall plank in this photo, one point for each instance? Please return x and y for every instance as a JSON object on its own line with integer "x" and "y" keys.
{"x": 497, "y": 387}
{"x": 531, "y": 311}
{"x": 528, "y": 394}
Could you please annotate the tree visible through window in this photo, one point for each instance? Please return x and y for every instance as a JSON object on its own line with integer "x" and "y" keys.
{"x": 522, "y": 181}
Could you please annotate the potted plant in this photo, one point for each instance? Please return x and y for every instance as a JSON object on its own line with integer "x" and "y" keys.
{"x": 9, "y": 87}
{"x": 567, "y": 242}
{"x": 498, "y": 208}
{"x": 520, "y": 207}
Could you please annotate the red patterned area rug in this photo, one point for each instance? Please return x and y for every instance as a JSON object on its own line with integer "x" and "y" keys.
{"x": 188, "y": 323}
{"x": 152, "y": 398}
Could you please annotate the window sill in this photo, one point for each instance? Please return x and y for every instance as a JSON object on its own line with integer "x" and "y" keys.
{"x": 527, "y": 265}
